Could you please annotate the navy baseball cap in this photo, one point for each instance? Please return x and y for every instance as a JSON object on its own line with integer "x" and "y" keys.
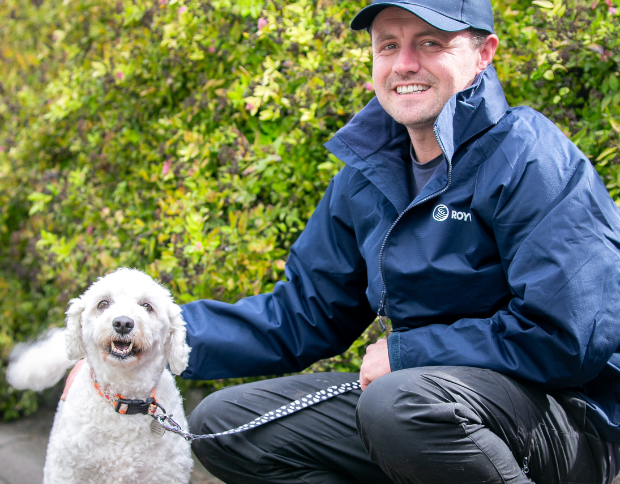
{"x": 448, "y": 15}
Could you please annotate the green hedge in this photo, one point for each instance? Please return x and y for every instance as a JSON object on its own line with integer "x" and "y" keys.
{"x": 185, "y": 138}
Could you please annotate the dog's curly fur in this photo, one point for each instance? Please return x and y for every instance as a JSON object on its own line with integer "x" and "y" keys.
{"x": 90, "y": 442}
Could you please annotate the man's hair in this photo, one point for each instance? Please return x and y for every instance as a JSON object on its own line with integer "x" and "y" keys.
{"x": 476, "y": 36}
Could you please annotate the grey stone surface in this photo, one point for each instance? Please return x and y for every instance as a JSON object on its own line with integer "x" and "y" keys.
{"x": 22, "y": 448}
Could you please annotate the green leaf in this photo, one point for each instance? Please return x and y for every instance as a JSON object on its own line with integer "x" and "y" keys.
{"x": 605, "y": 153}
{"x": 544, "y": 4}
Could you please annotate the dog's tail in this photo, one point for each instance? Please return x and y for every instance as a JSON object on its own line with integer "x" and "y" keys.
{"x": 40, "y": 364}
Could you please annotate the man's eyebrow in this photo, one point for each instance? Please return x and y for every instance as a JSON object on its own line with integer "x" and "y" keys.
{"x": 384, "y": 36}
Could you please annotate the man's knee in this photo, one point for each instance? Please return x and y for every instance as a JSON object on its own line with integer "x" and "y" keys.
{"x": 406, "y": 410}
{"x": 402, "y": 394}
{"x": 209, "y": 410}
{"x": 377, "y": 400}
{"x": 377, "y": 415}
{"x": 208, "y": 417}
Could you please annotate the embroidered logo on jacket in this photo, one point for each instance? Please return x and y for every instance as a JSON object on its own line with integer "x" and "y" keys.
{"x": 441, "y": 213}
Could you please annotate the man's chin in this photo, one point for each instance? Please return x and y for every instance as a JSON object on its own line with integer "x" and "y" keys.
{"x": 415, "y": 116}
{"x": 417, "y": 123}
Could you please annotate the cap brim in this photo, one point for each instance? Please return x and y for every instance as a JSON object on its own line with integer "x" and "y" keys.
{"x": 364, "y": 18}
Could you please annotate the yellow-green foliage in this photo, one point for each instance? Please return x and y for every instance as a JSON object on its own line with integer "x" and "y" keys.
{"x": 185, "y": 137}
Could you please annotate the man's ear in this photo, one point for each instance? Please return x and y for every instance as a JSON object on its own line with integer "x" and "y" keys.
{"x": 487, "y": 51}
{"x": 73, "y": 335}
{"x": 177, "y": 350}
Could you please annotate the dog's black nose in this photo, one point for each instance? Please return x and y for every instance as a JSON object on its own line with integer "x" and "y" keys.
{"x": 122, "y": 324}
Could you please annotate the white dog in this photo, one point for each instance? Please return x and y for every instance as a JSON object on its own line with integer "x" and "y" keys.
{"x": 128, "y": 328}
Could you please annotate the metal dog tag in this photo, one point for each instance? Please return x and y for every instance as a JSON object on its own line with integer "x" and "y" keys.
{"x": 157, "y": 429}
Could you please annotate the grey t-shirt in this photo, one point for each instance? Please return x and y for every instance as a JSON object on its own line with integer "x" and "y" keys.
{"x": 421, "y": 173}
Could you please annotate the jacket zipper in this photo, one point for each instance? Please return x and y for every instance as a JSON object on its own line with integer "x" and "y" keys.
{"x": 383, "y": 303}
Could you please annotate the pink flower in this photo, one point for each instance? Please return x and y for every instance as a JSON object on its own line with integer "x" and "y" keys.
{"x": 613, "y": 10}
{"x": 182, "y": 10}
{"x": 119, "y": 75}
{"x": 211, "y": 49}
{"x": 1, "y": 149}
{"x": 369, "y": 87}
{"x": 262, "y": 23}
{"x": 89, "y": 230}
{"x": 166, "y": 167}
{"x": 594, "y": 4}
{"x": 249, "y": 106}
{"x": 608, "y": 2}
{"x": 162, "y": 2}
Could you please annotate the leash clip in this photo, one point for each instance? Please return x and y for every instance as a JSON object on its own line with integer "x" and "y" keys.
{"x": 172, "y": 426}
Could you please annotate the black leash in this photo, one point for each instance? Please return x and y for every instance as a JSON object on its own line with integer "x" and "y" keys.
{"x": 164, "y": 422}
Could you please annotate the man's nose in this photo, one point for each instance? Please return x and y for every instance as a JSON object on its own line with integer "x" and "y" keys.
{"x": 122, "y": 324}
{"x": 408, "y": 60}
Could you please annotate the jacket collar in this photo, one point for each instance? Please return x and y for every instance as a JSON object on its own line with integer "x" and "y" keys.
{"x": 377, "y": 145}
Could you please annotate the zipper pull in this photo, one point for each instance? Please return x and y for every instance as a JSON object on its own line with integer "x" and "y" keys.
{"x": 526, "y": 467}
{"x": 382, "y": 319}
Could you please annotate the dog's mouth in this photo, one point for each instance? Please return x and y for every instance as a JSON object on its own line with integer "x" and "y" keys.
{"x": 123, "y": 349}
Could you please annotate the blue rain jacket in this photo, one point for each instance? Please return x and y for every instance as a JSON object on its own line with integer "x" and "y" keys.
{"x": 508, "y": 259}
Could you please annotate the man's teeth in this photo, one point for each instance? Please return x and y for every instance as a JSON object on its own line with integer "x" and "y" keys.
{"x": 119, "y": 351}
{"x": 411, "y": 88}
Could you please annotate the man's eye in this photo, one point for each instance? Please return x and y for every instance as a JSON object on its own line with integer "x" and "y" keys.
{"x": 390, "y": 47}
{"x": 148, "y": 307}
{"x": 103, "y": 305}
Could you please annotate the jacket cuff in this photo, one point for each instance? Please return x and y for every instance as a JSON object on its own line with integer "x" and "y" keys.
{"x": 394, "y": 351}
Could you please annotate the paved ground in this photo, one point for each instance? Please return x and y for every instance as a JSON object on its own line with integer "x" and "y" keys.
{"x": 23, "y": 444}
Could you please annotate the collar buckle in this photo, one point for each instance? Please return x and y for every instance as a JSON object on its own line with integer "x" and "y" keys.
{"x": 133, "y": 407}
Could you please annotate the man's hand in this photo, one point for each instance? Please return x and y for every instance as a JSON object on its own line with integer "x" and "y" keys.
{"x": 375, "y": 364}
{"x": 70, "y": 378}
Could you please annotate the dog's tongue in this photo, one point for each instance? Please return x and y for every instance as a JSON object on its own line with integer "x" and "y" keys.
{"x": 121, "y": 346}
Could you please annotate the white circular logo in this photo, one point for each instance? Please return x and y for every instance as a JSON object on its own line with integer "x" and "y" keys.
{"x": 440, "y": 213}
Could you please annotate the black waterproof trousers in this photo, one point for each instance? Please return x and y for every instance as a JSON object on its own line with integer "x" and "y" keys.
{"x": 455, "y": 425}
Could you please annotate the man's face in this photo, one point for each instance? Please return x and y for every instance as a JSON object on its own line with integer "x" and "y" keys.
{"x": 417, "y": 68}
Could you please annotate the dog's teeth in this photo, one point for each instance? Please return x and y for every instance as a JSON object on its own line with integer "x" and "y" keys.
{"x": 119, "y": 351}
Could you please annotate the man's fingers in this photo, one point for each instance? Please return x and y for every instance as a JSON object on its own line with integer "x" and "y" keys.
{"x": 363, "y": 381}
{"x": 376, "y": 363}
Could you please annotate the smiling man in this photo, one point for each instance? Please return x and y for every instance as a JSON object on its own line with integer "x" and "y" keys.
{"x": 486, "y": 238}
{"x": 417, "y": 68}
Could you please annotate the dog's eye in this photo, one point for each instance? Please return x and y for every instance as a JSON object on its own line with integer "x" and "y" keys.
{"x": 148, "y": 307}
{"x": 103, "y": 305}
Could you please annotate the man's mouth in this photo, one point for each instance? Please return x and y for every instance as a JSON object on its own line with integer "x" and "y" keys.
{"x": 122, "y": 349}
{"x": 412, "y": 88}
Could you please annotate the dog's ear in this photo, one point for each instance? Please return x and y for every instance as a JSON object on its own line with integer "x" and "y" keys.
{"x": 177, "y": 349}
{"x": 73, "y": 334}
